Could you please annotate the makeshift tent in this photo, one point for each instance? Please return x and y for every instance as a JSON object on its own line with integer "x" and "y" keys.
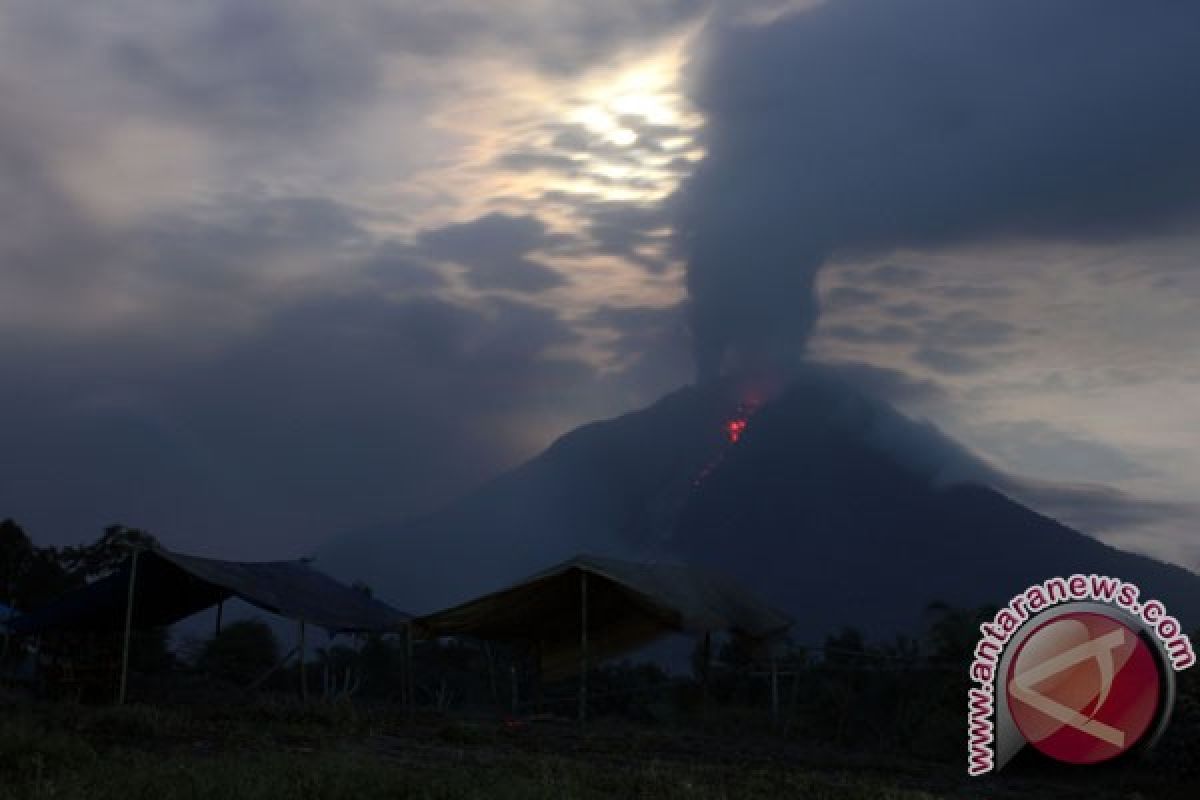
{"x": 592, "y": 608}
{"x": 157, "y": 587}
{"x": 170, "y": 586}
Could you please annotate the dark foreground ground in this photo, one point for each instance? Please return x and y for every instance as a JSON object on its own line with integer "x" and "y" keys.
{"x": 281, "y": 749}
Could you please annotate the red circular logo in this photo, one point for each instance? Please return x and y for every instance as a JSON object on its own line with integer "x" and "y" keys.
{"x": 1083, "y": 688}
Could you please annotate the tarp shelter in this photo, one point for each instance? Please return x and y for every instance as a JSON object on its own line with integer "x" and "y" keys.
{"x": 156, "y": 587}
{"x": 589, "y": 608}
{"x": 170, "y": 586}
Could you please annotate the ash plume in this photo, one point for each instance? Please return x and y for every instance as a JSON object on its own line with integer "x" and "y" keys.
{"x": 859, "y": 126}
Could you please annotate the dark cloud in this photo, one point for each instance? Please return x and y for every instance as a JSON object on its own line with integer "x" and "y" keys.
{"x": 968, "y": 292}
{"x": 1100, "y": 509}
{"x": 857, "y": 334}
{"x": 339, "y": 410}
{"x": 907, "y": 310}
{"x": 966, "y": 329}
{"x": 624, "y": 229}
{"x": 1035, "y": 445}
{"x": 949, "y": 362}
{"x": 48, "y": 245}
{"x": 398, "y": 265}
{"x": 891, "y": 385}
{"x": 495, "y": 251}
{"x": 636, "y": 232}
{"x": 896, "y": 275}
{"x": 190, "y": 276}
{"x": 650, "y": 345}
{"x": 535, "y": 161}
{"x": 843, "y": 297}
{"x": 254, "y": 64}
{"x": 568, "y": 39}
{"x": 862, "y": 125}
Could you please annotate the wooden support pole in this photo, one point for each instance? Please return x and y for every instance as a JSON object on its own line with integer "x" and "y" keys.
{"x": 404, "y": 667}
{"x": 128, "y": 628}
{"x": 220, "y": 611}
{"x": 774, "y": 690}
{"x": 512, "y": 675}
{"x": 303, "y": 674}
{"x": 534, "y": 659}
{"x": 583, "y": 645}
{"x": 410, "y": 683}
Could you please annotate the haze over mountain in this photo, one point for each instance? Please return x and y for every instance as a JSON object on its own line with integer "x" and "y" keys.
{"x": 829, "y": 502}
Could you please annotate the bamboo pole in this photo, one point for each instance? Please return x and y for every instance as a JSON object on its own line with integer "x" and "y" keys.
{"x": 583, "y": 645}
{"x": 128, "y": 628}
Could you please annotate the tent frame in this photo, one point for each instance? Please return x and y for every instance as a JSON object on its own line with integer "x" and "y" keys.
{"x": 136, "y": 550}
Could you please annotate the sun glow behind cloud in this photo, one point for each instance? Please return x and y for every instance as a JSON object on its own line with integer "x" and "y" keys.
{"x": 614, "y": 140}
{"x": 639, "y": 110}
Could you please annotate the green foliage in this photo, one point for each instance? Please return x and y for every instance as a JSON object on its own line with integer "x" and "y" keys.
{"x": 240, "y": 652}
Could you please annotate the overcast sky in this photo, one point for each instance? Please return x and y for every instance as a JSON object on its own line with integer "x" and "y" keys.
{"x": 270, "y": 271}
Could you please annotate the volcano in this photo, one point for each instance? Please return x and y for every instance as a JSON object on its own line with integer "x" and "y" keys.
{"x": 828, "y": 502}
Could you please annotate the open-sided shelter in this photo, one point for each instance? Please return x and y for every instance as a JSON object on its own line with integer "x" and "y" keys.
{"x": 589, "y": 608}
{"x": 156, "y": 587}
{"x": 165, "y": 587}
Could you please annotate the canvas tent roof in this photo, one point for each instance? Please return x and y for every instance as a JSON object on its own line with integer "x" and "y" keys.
{"x": 628, "y": 604}
{"x": 171, "y": 586}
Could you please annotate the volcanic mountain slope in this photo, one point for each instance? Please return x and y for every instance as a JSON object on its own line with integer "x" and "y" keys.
{"x": 829, "y": 503}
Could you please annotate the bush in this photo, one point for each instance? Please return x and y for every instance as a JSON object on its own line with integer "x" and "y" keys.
{"x": 241, "y": 652}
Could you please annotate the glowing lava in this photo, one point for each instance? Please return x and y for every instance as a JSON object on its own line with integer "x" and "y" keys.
{"x": 733, "y": 428}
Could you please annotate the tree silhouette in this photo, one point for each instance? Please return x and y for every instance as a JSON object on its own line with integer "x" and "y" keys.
{"x": 954, "y": 632}
{"x": 29, "y": 576}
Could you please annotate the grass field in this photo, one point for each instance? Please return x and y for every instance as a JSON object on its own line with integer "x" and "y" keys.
{"x": 284, "y": 749}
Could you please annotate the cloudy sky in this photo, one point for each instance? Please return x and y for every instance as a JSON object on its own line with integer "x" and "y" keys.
{"x": 271, "y": 271}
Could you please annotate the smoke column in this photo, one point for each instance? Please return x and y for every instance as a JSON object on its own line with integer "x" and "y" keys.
{"x": 860, "y": 126}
